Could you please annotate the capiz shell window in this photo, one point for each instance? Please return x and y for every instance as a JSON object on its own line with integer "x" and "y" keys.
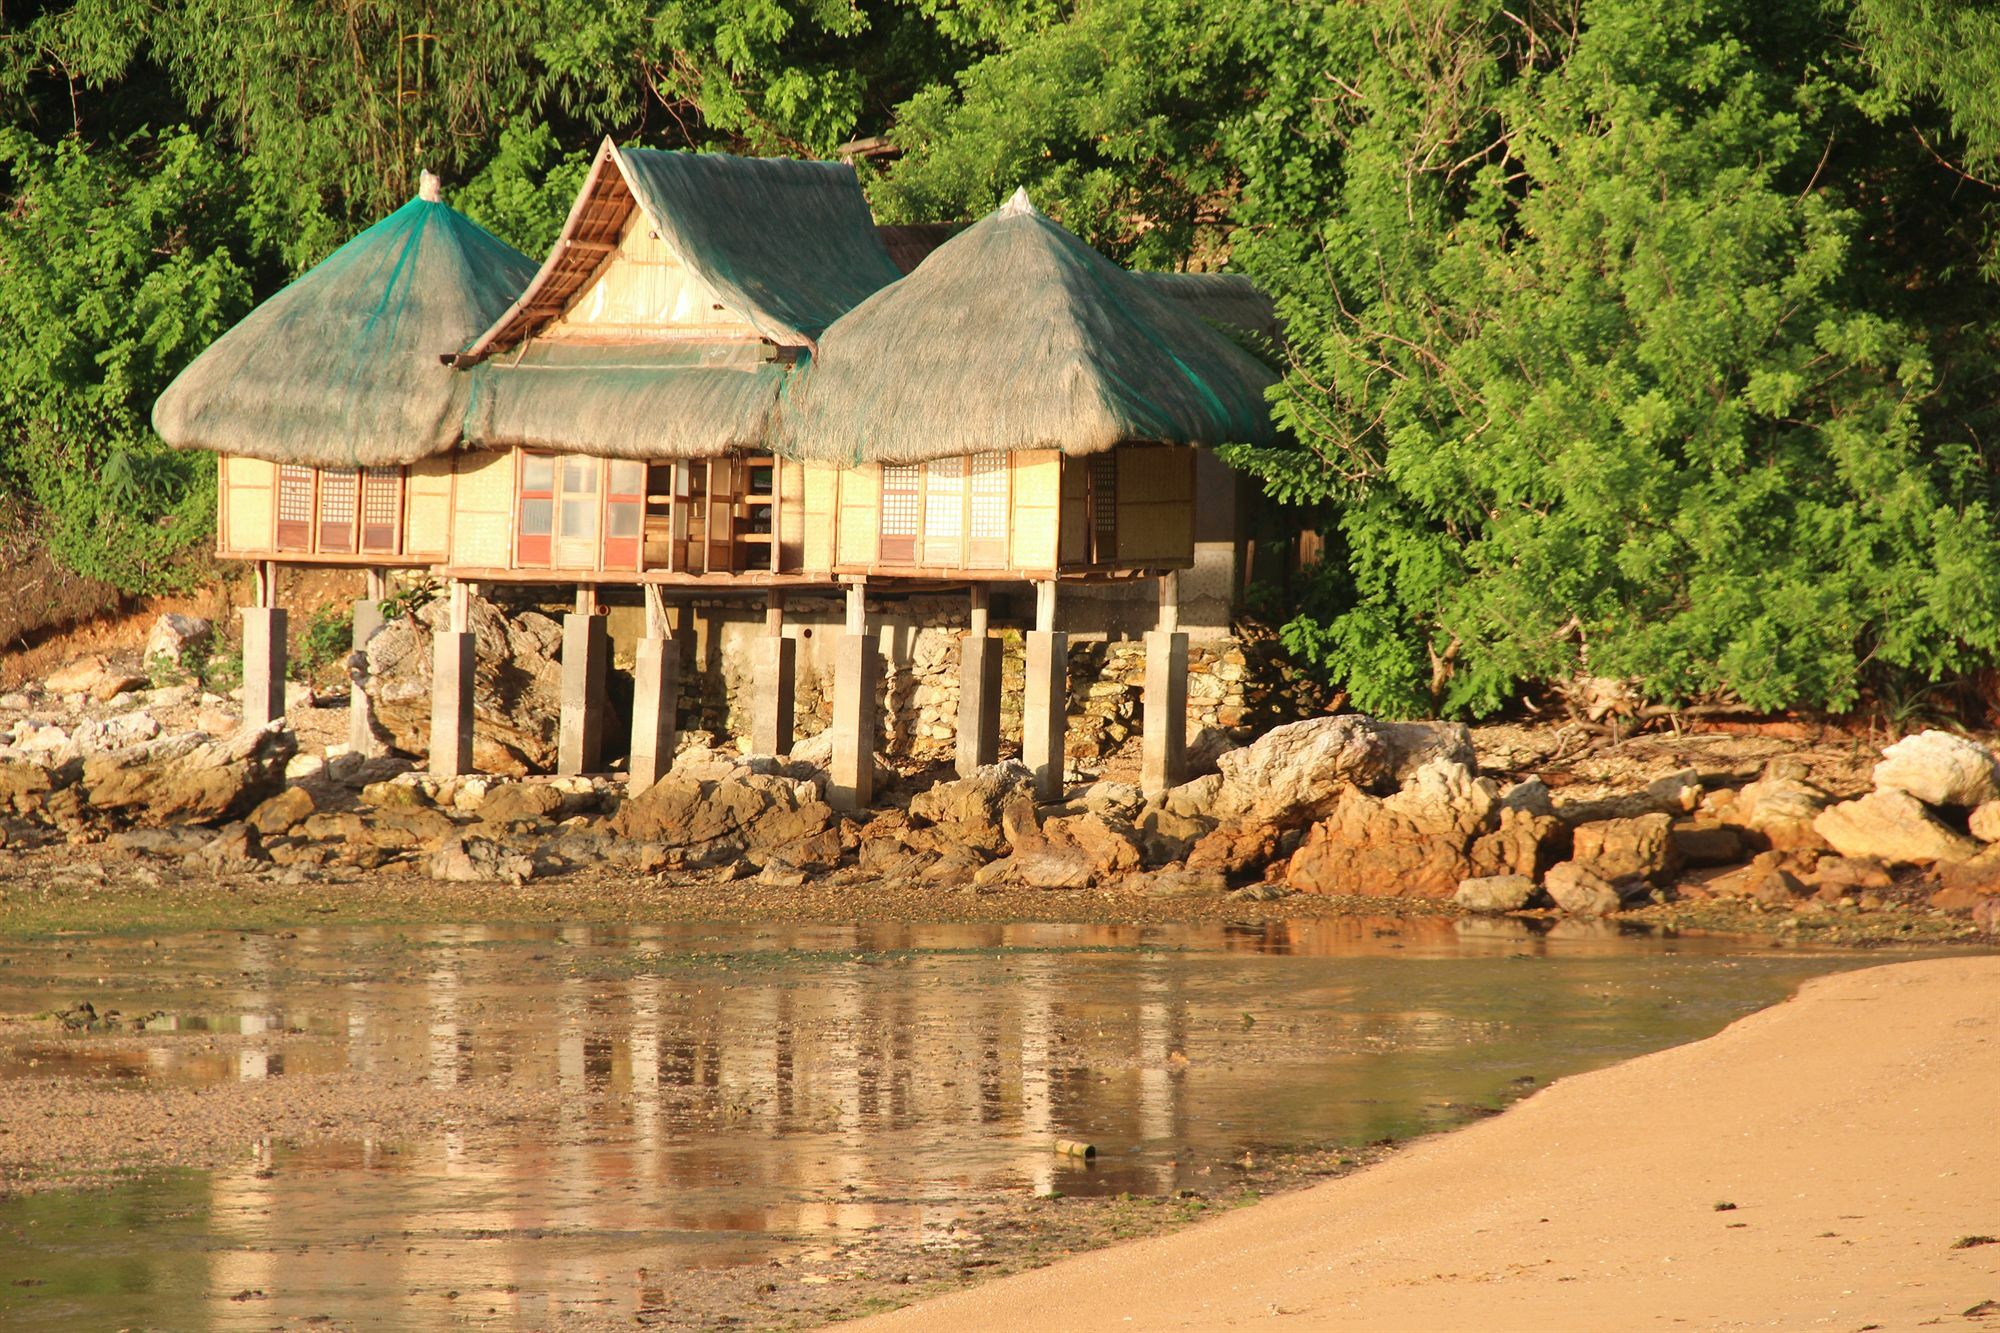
{"x": 624, "y": 513}
{"x": 536, "y": 524}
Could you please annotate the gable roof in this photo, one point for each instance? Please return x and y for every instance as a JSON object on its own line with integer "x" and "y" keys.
{"x": 341, "y": 369}
{"x": 1014, "y": 334}
{"x": 787, "y": 244}
{"x": 1228, "y": 299}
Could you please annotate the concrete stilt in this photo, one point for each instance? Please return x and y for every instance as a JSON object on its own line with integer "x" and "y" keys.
{"x": 1045, "y": 700}
{"x": 656, "y": 668}
{"x": 856, "y": 667}
{"x": 451, "y": 705}
{"x": 978, "y": 691}
{"x": 773, "y": 675}
{"x": 263, "y": 665}
{"x": 586, "y": 650}
{"x": 1163, "y": 722}
{"x": 361, "y": 737}
{"x": 1163, "y": 725}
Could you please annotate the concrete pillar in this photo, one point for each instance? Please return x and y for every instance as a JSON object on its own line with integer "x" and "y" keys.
{"x": 773, "y": 675}
{"x": 451, "y": 704}
{"x": 978, "y": 691}
{"x": 361, "y": 737}
{"x": 1045, "y": 710}
{"x": 586, "y": 649}
{"x": 263, "y": 665}
{"x": 1163, "y": 725}
{"x": 656, "y": 670}
{"x": 856, "y": 666}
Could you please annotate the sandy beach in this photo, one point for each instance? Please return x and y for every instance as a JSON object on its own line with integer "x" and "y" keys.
{"x": 1832, "y": 1162}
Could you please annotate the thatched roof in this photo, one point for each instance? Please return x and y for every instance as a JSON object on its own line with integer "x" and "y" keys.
{"x": 1016, "y": 335}
{"x": 788, "y": 245}
{"x": 645, "y": 401}
{"x": 1229, "y": 299}
{"x": 341, "y": 369}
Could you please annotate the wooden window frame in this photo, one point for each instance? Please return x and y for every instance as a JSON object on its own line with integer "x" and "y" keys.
{"x": 534, "y": 550}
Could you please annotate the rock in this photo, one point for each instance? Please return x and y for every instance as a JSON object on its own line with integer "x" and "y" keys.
{"x": 517, "y": 679}
{"x": 1205, "y": 750}
{"x": 1494, "y": 893}
{"x": 1412, "y": 844}
{"x": 1239, "y": 851}
{"x": 473, "y": 860}
{"x": 402, "y": 792}
{"x": 1193, "y": 800}
{"x": 1627, "y": 851}
{"x": 1184, "y": 883}
{"x": 1294, "y": 774}
{"x": 114, "y": 683}
{"x": 1119, "y": 800}
{"x": 1525, "y": 843}
{"x": 1961, "y": 883}
{"x": 191, "y": 779}
{"x": 717, "y": 820}
{"x": 1986, "y": 916}
{"x": 1985, "y": 822}
{"x": 282, "y": 813}
{"x": 968, "y": 810}
{"x": 304, "y": 768}
{"x": 25, "y": 787}
{"x": 217, "y": 721}
{"x": 1413, "y": 745}
{"x": 812, "y": 759}
{"x": 177, "y": 841}
{"x": 1580, "y": 893}
{"x": 1702, "y": 843}
{"x": 171, "y": 636}
{"x": 1675, "y": 794}
{"x": 1939, "y": 768}
{"x": 235, "y": 847}
{"x": 78, "y": 677}
{"x": 1780, "y": 808}
{"x": 1891, "y": 826}
{"x": 43, "y": 740}
{"x": 1838, "y": 876}
{"x": 520, "y": 801}
{"x": 1529, "y": 794}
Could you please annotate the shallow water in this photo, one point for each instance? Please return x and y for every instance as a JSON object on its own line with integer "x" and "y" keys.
{"x": 735, "y": 1095}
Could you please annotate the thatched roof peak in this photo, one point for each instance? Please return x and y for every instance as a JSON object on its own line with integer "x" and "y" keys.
{"x": 341, "y": 369}
{"x": 789, "y": 245}
{"x": 429, "y": 188}
{"x": 1014, "y": 334}
{"x": 1018, "y": 204}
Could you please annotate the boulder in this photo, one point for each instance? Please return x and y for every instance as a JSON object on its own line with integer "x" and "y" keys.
{"x": 1193, "y": 800}
{"x": 1530, "y": 794}
{"x": 1294, "y": 774}
{"x": 282, "y": 813}
{"x": 1524, "y": 843}
{"x": 1675, "y": 794}
{"x": 233, "y": 849}
{"x": 1415, "y": 843}
{"x": 25, "y": 787}
{"x": 171, "y": 637}
{"x": 968, "y": 810}
{"x": 191, "y": 779}
{"x": 1580, "y": 893}
{"x": 1836, "y": 877}
{"x": 1780, "y": 808}
{"x": 715, "y": 821}
{"x": 1985, "y": 822}
{"x": 1939, "y": 768}
{"x": 1494, "y": 893}
{"x": 1239, "y": 851}
{"x": 1891, "y": 826}
{"x": 519, "y": 801}
{"x": 1961, "y": 883}
{"x": 114, "y": 683}
{"x": 473, "y": 860}
{"x": 1627, "y": 852}
{"x": 516, "y": 692}
{"x": 1698, "y": 842}
{"x": 76, "y": 677}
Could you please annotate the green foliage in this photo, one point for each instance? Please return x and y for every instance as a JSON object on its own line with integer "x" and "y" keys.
{"x": 324, "y": 642}
{"x": 115, "y": 269}
{"x": 1605, "y": 368}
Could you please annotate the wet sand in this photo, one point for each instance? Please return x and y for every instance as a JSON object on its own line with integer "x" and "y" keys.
{"x": 1815, "y": 1165}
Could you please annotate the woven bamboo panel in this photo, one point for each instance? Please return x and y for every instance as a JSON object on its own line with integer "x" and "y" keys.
{"x": 1038, "y": 479}
{"x": 820, "y": 491}
{"x": 860, "y": 518}
{"x": 427, "y": 508}
{"x": 482, "y": 517}
{"x": 249, "y": 483}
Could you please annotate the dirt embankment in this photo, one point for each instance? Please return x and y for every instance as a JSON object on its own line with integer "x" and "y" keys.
{"x": 1827, "y": 1163}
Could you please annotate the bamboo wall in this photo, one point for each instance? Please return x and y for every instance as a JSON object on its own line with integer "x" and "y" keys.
{"x": 482, "y": 520}
{"x": 643, "y": 292}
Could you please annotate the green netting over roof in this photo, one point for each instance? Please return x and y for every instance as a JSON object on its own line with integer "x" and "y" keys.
{"x": 1225, "y": 298}
{"x": 646, "y": 401}
{"x": 341, "y": 369}
{"x": 790, "y": 244}
{"x": 1014, "y": 334}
